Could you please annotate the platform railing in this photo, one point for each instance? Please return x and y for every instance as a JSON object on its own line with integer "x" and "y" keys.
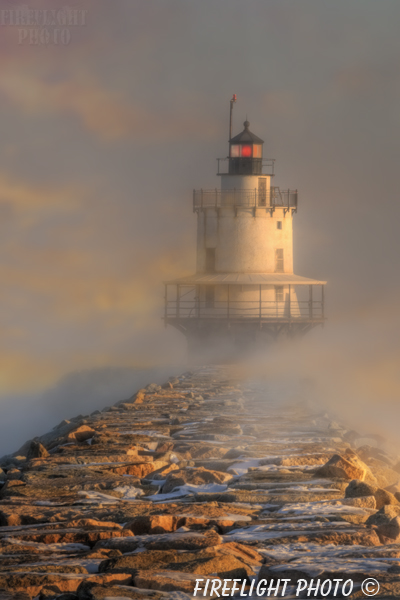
{"x": 246, "y": 198}
{"x": 264, "y": 309}
{"x": 267, "y": 166}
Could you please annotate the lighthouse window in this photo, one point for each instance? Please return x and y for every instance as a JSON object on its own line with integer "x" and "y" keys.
{"x": 210, "y": 296}
{"x": 279, "y": 260}
{"x": 210, "y": 260}
{"x": 279, "y": 224}
{"x": 257, "y": 151}
{"x": 279, "y": 293}
{"x": 235, "y": 150}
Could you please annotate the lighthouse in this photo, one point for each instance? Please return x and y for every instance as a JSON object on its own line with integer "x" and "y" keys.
{"x": 244, "y": 290}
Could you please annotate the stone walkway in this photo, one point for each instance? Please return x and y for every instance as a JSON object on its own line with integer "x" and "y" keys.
{"x": 203, "y": 478}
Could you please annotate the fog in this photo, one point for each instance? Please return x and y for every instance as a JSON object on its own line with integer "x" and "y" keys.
{"x": 102, "y": 141}
{"x": 26, "y": 416}
{"x": 344, "y": 370}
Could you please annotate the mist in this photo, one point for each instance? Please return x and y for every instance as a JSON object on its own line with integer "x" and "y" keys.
{"x": 75, "y": 394}
{"x": 349, "y": 370}
{"x": 101, "y": 144}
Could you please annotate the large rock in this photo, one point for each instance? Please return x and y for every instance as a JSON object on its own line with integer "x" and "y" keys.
{"x": 391, "y": 530}
{"x": 361, "y": 502}
{"x": 93, "y": 524}
{"x": 357, "y": 489}
{"x": 149, "y": 559}
{"x": 8, "y": 489}
{"x": 228, "y": 561}
{"x": 14, "y": 475}
{"x": 184, "y": 541}
{"x": 170, "y": 541}
{"x": 152, "y": 524}
{"x": 348, "y": 537}
{"x": 198, "y": 476}
{"x": 346, "y": 466}
{"x": 139, "y": 469}
{"x": 88, "y": 536}
{"x": 137, "y": 398}
{"x": 384, "y": 515}
{"x": 297, "y": 460}
{"x": 81, "y": 434}
{"x": 383, "y": 498}
{"x": 36, "y": 450}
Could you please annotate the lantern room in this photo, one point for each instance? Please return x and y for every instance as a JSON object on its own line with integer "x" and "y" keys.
{"x": 245, "y": 153}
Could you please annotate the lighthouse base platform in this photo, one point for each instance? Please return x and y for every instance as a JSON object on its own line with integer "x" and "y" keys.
{"x": 227, "y": 340}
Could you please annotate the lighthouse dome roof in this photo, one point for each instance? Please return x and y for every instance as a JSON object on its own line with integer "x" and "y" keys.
{"x": 246, "y": 136}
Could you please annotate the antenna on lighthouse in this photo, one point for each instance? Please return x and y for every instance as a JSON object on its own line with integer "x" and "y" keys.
{"x": 230, "y": 115}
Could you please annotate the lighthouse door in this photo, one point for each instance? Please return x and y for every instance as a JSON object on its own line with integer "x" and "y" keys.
{"x": 262, "y": 191}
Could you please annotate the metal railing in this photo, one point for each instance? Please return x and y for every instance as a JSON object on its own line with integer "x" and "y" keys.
{"x": 265, "y": 309}
{"x": 274, "y": 197}
{"x": 266, "y": 168}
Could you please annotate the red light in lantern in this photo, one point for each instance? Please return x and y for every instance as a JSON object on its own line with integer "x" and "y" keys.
{"x": 246, "y": 151}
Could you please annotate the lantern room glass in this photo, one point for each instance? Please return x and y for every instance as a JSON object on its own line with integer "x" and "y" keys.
{"x": 246, "y": 151}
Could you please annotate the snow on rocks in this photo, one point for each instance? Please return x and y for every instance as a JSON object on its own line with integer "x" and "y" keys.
{"x": 202, "y": 476}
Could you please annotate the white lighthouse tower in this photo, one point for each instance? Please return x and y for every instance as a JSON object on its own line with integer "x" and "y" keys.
{"x": 244, "y": 288}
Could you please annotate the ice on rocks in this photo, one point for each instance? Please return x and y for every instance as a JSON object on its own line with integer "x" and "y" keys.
{"x": 258, "y": 455}
{"x": 129, "y": 493}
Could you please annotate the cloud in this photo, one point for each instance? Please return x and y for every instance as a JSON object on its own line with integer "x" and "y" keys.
{"x": 24, "y": 197}
{"x": 99, "y": 110}
{"x": 69, "y": 299}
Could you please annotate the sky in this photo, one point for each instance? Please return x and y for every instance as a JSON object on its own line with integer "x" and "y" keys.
{"x": 104, "y": 135}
